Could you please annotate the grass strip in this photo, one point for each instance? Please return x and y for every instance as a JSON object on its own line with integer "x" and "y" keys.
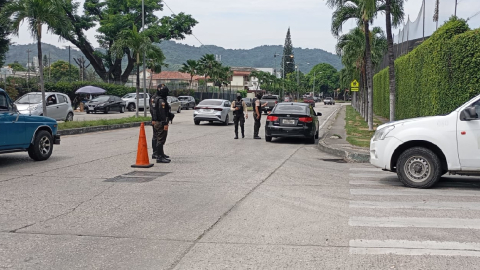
{"x": 101, "y": 122}
{"x": 357, "y": 128}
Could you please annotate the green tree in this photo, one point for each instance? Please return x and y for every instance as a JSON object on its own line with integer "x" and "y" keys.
{"x": 397, "y": 19}
{"x": 190, "y": 67}
{"x": 136, "y": 45}
{"x": 4, "y": 33}
{"x": 207, "y": 65}
{"x": 326, "y": 78}
{"x": 16, "y": 67}
{"x": 62, "y": 71}
{"x": 288, "y": 59}
{"x": 45, "y": 61}
{"x": 37, "y": 13}
{"x": 113, "y": 17}
{"x": 363, "y": 11}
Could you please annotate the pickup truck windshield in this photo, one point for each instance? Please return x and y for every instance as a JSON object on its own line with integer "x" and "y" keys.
{"x": 30, "y": 99}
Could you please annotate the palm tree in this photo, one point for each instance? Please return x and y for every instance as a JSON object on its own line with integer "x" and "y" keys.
{"x": 351, "y": 47}
{"x": 207, "y": 65}
{"x": 397, "y": 19}
{"x": 37, "y": 13}
{"x": 363, "y": 11}
{"x": 190, "y": 67}
{"x": 134, "y": 44}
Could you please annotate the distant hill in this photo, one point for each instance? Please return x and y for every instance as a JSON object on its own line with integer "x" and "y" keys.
{"x": 179, "y": 53}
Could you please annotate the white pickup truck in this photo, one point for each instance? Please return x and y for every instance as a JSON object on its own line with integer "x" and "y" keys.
{"x": 421, "y": 150}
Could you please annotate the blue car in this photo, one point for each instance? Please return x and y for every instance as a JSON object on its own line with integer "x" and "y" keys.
{"x": 18, "y": 132}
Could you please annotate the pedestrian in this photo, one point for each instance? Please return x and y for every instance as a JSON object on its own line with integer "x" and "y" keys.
{"x": 240, "y": 112}
{"x": 160, "y": 122}
{"x": 152, "y": 112}
{"x": 257, "y": 115}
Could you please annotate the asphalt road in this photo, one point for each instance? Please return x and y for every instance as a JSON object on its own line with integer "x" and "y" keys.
{"x": 226, "y": 204}
{"x": 83, "y": 116}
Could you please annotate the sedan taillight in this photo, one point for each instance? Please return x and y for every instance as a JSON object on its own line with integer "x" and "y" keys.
{"x": 305, "y": 119}
{"x": 272, "y": 118}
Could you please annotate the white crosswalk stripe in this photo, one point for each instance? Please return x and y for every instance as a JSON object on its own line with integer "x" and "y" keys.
{"x": 373, "y": 190}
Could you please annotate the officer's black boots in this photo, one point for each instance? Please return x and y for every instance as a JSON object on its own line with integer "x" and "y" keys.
{"x": 236, "y": 136}
{"x": 155, "y": 148}
{"x": 161, "y": 156}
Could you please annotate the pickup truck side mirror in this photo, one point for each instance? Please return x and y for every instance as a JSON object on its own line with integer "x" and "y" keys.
{"x": 469, "y": 114}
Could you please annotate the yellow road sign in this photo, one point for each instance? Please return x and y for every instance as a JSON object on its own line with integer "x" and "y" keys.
{"x": 354, "y": 84}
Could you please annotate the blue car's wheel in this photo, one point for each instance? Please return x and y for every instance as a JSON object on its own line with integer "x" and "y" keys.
{"x": 42, "y": 146}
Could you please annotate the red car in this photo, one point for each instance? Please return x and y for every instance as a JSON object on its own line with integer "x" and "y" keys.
{"x": 309, "y": 100}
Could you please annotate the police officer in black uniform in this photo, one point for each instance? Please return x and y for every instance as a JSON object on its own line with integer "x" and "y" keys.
{"x": 160, "y": 122}
{"x": 152, "y": 112}
{"x": 257, "y": 115}
{"x": 239, "y": 114}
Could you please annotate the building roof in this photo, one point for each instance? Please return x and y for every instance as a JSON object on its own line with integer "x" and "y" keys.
{"x": 241, "y": 73}
{"x": 174, "y": 75}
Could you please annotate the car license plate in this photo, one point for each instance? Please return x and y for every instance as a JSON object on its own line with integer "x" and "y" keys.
{"x": 288, "y": 122}
{"x": 206, "y": 110}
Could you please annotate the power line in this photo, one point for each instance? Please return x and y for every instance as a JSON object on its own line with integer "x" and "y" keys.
{"x": 473, "y": 15}
{"x": 192, "y": 33}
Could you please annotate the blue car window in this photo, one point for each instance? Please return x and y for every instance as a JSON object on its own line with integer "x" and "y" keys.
{"x": 4, "y": 103}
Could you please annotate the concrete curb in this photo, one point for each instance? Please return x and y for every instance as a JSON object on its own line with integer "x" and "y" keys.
{"x": 348, "y": 155}
{"x": 76, "y": 131}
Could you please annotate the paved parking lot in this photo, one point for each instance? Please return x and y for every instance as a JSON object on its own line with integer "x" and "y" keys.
{"x": 226, "y": 204}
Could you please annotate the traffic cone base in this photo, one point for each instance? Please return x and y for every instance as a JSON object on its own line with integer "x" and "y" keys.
{"x": 142, "y": 152}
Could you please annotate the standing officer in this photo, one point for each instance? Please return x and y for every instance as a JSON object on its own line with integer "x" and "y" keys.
{"x": 160, "y": 122}
{"x": 257, "y": 115}
{"x": 240, "y": 112}
{"x": 152, "y": 112}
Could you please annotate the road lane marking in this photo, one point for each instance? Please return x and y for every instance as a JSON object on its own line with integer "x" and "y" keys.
{"x": 375, "y": 183}
{"x": 414, "y": 222}
{"x": 412, "y": 191}
{"x": 370, "y": 175}
{"x": 404, "y": 247}
{"x": 416, "y": 205}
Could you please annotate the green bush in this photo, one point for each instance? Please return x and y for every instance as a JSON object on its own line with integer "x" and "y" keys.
{"x": 436, "y": 77}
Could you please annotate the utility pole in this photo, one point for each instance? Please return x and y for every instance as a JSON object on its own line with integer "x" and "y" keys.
{"x": 456, "y": 3}
{"x": 69, "y": 64}
{"x": 28, "y": 66}
{"x": 144, "y": 67}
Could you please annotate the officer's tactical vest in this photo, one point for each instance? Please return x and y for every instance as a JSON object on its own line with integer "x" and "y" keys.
{"x": 239, "y": 105}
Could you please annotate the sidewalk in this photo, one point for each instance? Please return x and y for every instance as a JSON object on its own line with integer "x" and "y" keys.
{"x": 339, "y": 146}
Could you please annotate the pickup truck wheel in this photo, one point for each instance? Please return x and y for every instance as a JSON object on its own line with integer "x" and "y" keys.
{"x": 42, "y": 146}
{"x": 419, "y": 167}
{"x": 131, "y": 107}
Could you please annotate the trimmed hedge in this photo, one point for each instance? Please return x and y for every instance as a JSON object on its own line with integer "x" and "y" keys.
{"x": 436, "y": 77}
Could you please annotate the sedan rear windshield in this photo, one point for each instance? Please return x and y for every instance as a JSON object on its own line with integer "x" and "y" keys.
{"x": 182, "y": 98}
{"x": 211, "y": 102}
{"x": 30, "y": 99}
{"x": 290, "y": 109}
{"x": 269, "y": 97}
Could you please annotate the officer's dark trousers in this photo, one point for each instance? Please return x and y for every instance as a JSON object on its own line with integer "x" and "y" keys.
{"x": 160, "y": 133}
{"x": 239, "y": 119}
{"x": 256, "y": 127}
{"x": 154, "y": 140}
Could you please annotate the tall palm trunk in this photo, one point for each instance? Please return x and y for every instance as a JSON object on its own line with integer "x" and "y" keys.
{"x": 138, "y": 87}
{"x": 368, "y": 54}
{"x": 391, "y": 61}
{"x": 40, "y": 66}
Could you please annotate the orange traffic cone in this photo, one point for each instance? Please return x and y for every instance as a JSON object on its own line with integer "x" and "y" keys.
{"x": 142, "y": 152}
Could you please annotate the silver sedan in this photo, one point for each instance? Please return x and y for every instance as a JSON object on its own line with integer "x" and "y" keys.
{"x": 213, "y": 110}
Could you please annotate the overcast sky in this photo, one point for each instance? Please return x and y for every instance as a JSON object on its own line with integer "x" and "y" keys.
{"x": 246, "y": 24}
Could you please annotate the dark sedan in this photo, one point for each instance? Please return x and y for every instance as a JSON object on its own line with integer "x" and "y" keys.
{"x": 297, "y": 120}
{"x": 105, "y": 104}
{"x": 188, "y": 102}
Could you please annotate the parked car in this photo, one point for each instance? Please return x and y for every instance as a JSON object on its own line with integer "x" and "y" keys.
{"x": 248, "y": 101}
{"x": 329, "y": 101}
{"x": 298, "y": 120}
{"x": 213, "y": 110}
{"x": 309, "y": 100}
{"x": 59, "y": 106}
{"x": 316, "y": 99}
{"x": 20, "y": 132}
{"x": 287, "y": 99}
{"x": 271, "y": 101}
{"x": 105, "y": 103}
{"x": 175, "y": 104}
{"x": 421, "y": 150}
{"x": 131, "y": 101}
{"x": 187, "y": 102}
